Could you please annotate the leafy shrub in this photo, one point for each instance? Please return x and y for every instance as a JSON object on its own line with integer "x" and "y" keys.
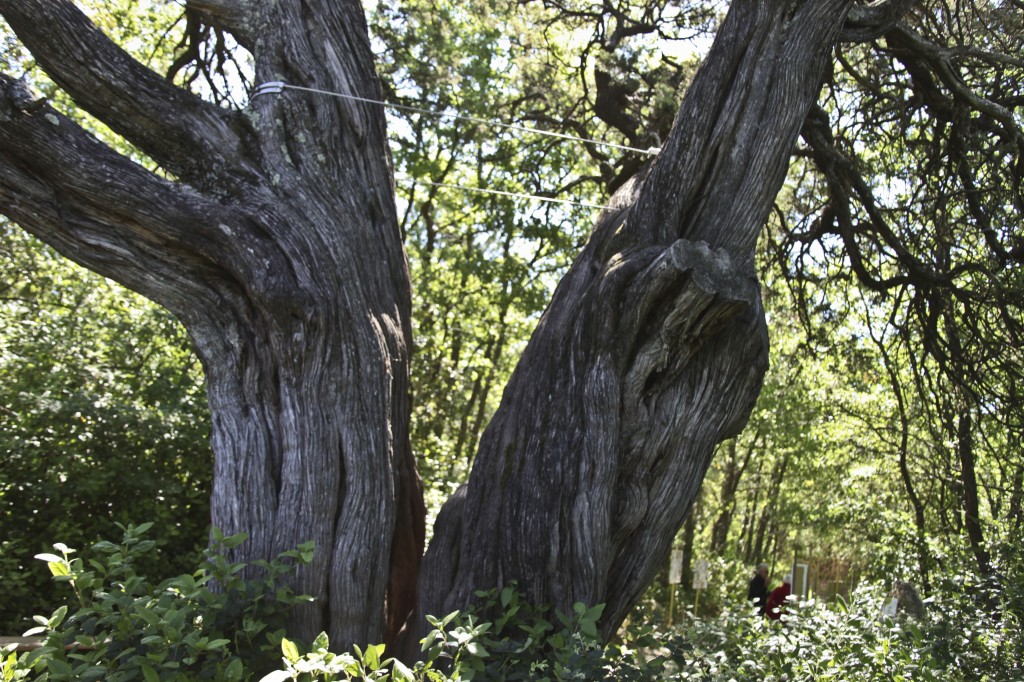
{"x": 521, "y": 643}
{"x": 959, "y": 639}
{"x": 127, "y": 628}
{"x": 102, "y": 411}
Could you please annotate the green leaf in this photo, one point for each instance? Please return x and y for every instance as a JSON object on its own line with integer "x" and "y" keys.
{"x": 588, "y": 628}
{"x": 50, "y": 558}
{"x": 427, "y": 641}
{"x": 290, "y": 651}
{"x": 476, "y": 649}
{"x": 401, "y": 673}
{"x": 149, "y": 673}
{"x": 58, "y": 617}
{"x": 373, "y": 655}
{"x": 306, "y": 550}
{"x": 234, "y": 671}
{"x": 60, "y": 668}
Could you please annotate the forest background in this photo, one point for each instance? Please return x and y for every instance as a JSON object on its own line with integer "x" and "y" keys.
{"x": 886, "y": 444}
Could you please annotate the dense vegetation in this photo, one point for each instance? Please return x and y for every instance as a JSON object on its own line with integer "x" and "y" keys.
{"x": 124, "y": 626}
{"x": 103, "y": 421}
{"x": 886, "y": 444}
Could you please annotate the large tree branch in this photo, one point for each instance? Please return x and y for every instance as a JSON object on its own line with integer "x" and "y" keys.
{"x": 192, "y": 139}
{"x": 112, "y": 215}
{"x": 732, "y": 139}
{"x": 871, "y": 20}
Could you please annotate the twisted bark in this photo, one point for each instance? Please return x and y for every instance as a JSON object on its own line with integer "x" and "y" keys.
{"x": 652, "y": 350}
{"x": 275, "y": 242}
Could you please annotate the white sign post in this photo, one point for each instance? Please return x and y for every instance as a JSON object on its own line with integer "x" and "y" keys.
{"x": 675, "y": 568}
{"x": 675, "y": 576}
{"x": 700, "y": 582}
{"x": 700, "y": 575}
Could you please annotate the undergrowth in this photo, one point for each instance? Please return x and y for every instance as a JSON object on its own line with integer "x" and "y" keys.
{"x": 125, "y": 628}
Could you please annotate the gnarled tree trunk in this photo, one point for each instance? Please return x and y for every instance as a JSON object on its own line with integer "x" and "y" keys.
{"x": 276, "y": 244}
{"x": 271, "y": 233}
{"x": 652, "y": 350}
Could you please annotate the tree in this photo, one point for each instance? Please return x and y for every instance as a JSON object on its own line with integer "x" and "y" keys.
{"x": 303, "y": 335}
{"x": 917, "y": 193}
{"x": 271, "y": 233}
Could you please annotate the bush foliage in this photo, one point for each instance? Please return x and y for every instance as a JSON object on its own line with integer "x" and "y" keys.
{"x": 125, "y": 627}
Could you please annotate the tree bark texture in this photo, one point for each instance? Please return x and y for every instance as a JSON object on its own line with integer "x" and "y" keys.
{"x": 275, "y": 242}
{"x": 652, "y": 350}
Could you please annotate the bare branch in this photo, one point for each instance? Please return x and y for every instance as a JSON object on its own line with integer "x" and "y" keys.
{"x": 940, "y": 61}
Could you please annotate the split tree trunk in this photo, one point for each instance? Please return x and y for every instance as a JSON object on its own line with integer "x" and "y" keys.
{"x": 272, "y": 235}
{"x": 652, "y": 350}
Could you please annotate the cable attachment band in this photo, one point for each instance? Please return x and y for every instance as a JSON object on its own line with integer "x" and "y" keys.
{"x": 268, "y": 88}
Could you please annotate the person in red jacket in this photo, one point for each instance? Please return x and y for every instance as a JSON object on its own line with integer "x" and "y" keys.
{"x": 777, "y": 599}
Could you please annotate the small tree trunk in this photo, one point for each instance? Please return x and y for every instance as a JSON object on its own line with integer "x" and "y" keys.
{"x": 920, "y": 529}
{"x": 752, "y": 550}
{"x": 968, "y": 478}
{"x": 731, "y": 477}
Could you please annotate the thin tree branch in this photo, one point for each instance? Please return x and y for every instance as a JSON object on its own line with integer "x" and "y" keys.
{"x": 939, "y": 60}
